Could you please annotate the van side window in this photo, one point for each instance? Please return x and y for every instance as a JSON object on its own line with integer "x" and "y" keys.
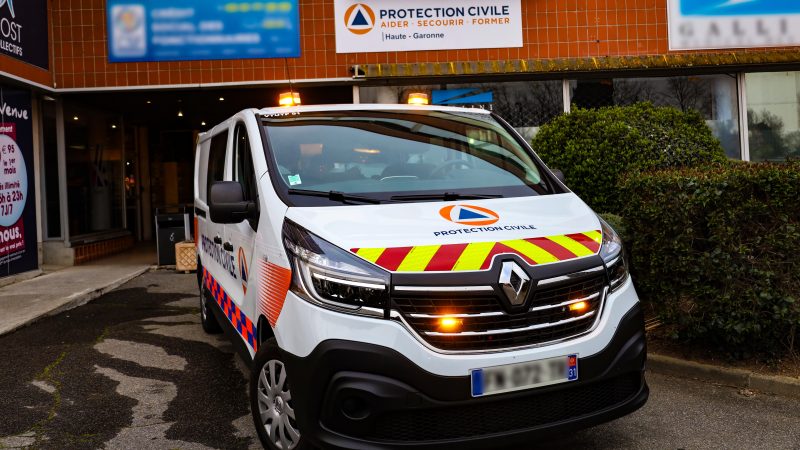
{"x": 243, "y": 171}
{"x": 216, "y": 160}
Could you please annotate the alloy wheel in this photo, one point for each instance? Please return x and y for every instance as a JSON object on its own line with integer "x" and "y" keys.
{"x": 275, "y": 407}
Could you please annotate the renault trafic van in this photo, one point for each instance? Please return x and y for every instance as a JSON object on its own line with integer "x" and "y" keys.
{"x": 407, "y": 276}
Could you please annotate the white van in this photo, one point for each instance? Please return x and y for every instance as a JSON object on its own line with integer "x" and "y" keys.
{"x": 410, "y": 276}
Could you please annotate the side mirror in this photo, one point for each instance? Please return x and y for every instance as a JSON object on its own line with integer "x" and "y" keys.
{"x": 226, "y": 203}
{"x": 559, "y": 175}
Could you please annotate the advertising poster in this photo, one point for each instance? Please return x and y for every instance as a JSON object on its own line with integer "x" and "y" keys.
{"x": 398, "y": 25}
{"x": 23, "y": 34}
{"x": 18, "y": 251}
{"x": 182, "y": 30}
{"x": 722, "y": 24}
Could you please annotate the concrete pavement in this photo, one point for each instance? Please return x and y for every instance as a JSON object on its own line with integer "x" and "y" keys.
{"x": 27, "y": 301}
{"x": 134, "y": 370}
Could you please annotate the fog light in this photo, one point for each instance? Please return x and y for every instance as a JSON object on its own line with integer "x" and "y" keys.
{"x": 449, "y": 324}
{"x": 355, "y": 408}
{"x": 579, "y": 306}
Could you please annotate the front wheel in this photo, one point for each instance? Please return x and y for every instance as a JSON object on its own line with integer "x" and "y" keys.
{"x": 271, "y": 401}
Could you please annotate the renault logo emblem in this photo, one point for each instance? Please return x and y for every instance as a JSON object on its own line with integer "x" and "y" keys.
{"x": 514, "y": 282}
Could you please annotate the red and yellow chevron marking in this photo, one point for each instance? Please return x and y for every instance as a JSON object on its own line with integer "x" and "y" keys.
{"x": 478, "y": 255}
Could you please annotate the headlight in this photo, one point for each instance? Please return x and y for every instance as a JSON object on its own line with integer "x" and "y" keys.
{"x": 613, "y": 256}
{"x": 326, "y": 275}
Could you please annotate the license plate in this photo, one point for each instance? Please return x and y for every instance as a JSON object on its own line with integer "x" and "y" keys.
{"x": 527, "y": 375}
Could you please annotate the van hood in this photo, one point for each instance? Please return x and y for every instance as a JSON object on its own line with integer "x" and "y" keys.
{"x": 461, "y": 235}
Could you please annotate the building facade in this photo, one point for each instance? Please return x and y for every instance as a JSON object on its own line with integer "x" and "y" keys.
{"x": 116, "y": 91}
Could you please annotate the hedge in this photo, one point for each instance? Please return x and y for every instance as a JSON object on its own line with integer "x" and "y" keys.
{"x": 595, "y": 147}
{"x": 716, "y": 252}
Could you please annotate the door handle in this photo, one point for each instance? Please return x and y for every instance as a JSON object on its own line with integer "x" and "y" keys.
{"x": 217, "y": 240}
{"x": 227, "y": 246}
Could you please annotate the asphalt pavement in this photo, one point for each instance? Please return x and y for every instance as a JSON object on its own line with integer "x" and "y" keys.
{"x": 134, "y": 370}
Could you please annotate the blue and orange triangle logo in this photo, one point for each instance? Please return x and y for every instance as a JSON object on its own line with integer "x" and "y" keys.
{"x": 359, "y": 18}
{"x": 469, "y": 215}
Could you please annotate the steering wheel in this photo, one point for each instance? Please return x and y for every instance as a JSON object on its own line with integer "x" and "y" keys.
{"x": 449, "y": 165}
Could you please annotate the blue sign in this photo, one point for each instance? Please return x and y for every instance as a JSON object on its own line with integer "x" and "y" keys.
{"x": 181, "y": 30}
{"x": 738, "y": 7}
{"x": 460, "y": 96}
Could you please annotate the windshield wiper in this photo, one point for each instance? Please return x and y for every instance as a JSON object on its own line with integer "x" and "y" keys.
{"x": 446, "y": 196}
{"x": 336, "y": 196}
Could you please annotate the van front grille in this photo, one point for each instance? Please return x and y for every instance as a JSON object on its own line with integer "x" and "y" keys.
{"x": 478, "y": 321}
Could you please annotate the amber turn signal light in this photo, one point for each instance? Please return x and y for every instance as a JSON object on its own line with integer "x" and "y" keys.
{"x": 449, "y": 324}
{"x": 579, "y": 306}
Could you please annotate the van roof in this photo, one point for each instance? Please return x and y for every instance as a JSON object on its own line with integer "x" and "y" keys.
{"x": 347, "y": 107}
{"x": 366, "y": 107}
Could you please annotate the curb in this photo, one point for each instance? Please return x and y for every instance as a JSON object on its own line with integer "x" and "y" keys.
{"x": 773, "y": 384}
{"x": 80, "y": 298}
{"x": 24, "y": 276}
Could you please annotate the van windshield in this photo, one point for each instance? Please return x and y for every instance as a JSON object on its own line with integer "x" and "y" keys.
{"x": 401, "y": 155}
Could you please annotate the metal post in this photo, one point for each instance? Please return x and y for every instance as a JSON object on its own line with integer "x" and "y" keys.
{"x": 122, "y": 173}
{"x": 744, "y": 127}
{"x": 36, "y": 122}
{"x": 62, "y": 171}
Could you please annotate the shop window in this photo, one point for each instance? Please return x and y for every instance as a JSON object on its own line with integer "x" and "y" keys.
{"x": 94, "y": 157}
{"x": 216, "y": 159}
{"x": 392, "y": 94}
{"x": 773, "y": 115}
{"x": 526, "y": 105}
{"x": 715, "y": 97}
{"x": 51, "y": 177}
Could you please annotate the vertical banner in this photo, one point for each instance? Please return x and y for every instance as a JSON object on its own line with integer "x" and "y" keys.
{"x": 18, "y": 248}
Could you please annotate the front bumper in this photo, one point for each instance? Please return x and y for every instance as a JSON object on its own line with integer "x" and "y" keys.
{"x": 357, "y": 395}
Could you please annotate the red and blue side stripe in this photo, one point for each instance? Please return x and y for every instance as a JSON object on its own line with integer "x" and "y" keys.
{"x": 241, "y": 323}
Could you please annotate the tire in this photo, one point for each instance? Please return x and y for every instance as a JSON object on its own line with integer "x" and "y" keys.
{"x": 270, "y": 401}
{"x": 207, "y": 318}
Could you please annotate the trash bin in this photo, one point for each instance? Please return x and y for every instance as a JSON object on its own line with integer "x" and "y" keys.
{"x": 172, "y": 226}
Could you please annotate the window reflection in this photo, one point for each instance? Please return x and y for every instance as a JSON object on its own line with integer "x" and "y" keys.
{"x": 713, "y": 96}
{"x": 773, "y": 115}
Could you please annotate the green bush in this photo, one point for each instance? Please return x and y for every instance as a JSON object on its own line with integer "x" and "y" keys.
{"x": 594, "y": 147}
{"x": 716, "y": 252}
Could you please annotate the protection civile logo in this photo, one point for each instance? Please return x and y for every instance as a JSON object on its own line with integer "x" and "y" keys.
{"x": 359, "y": 19}
{"x": 469, "y": 215}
